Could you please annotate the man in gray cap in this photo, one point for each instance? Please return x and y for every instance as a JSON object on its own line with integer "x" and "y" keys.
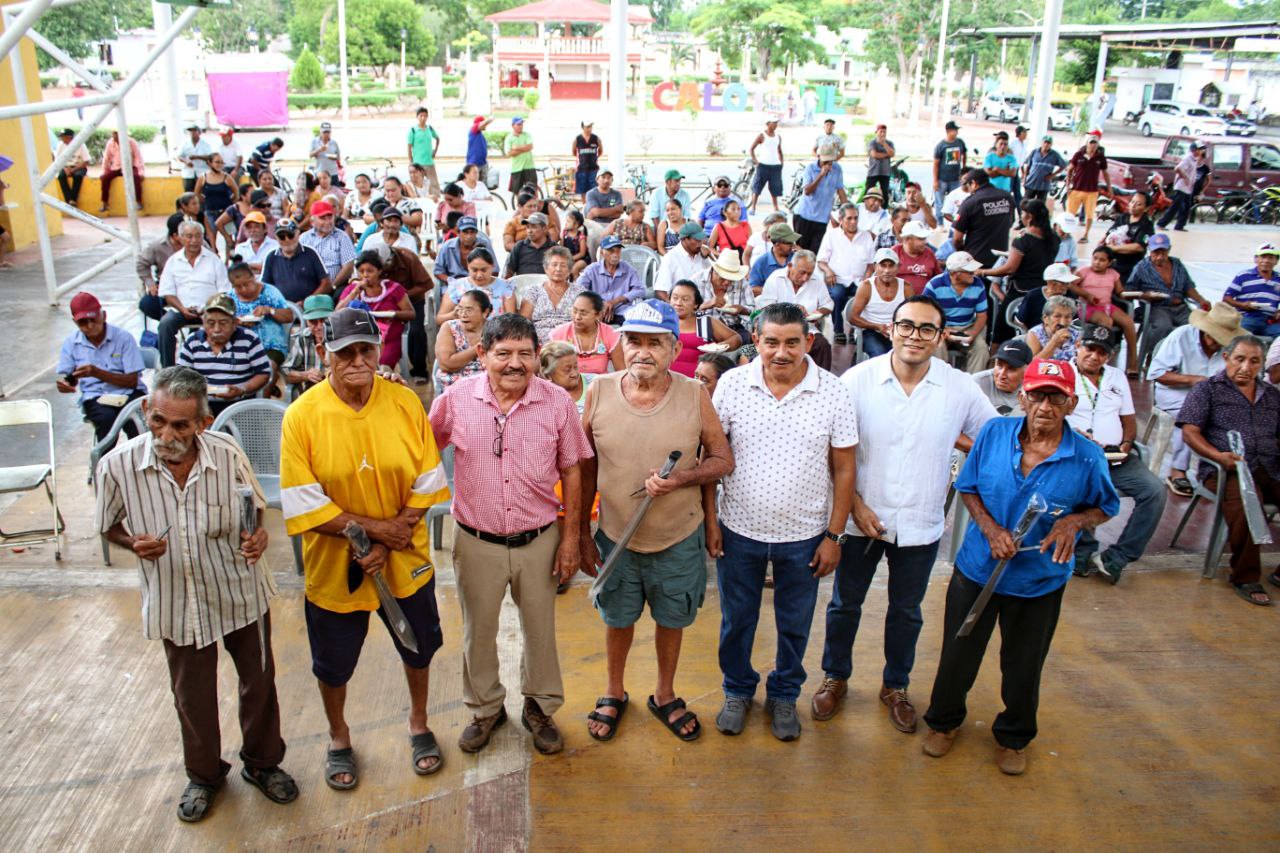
{"x": 689, "y": 260}
{"x": 823, "y": 182}
{"x": 526, "y": 255}
{"x": 325, "y": 152}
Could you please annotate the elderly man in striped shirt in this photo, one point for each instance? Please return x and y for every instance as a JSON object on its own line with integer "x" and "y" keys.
{"x": 178, "y": 484}
{"x": 228, "y": 356}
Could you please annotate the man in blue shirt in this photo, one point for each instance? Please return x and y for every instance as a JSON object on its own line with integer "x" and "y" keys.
{"x": 1040, "y": 168}
{"x": 823, "y": 182}
{"x": 295, "y": 270}
{"x": 1000, "y": 163}
{"x": 617, "y": 282}
{"x": 669, "y": 191}
{"x": 713, "y": 209}
{"x": 478, "y": 146}
{"x": 1255, "y": 293}
{"x": 1012, "y": 460}
{"x": 963, "y": 297}
{"x": 451, "y": 262}
{"x": 782, "y": 242}
{"x": 103, "y": 362}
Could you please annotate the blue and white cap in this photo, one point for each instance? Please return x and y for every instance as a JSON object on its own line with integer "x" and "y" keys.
{"x": 652, "y": 316}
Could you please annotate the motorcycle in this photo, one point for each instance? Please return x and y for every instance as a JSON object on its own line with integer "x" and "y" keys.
{"x": 1132, "y": 117}
{"x": 1116, "y": 204}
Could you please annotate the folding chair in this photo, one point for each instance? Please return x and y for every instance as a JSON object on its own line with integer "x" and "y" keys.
{"x": 520, "y": 284}
{"x": 1157, "y": 437}
{"x": 256, "y": 426}
{"x": 1218, "y": 526}
{"x": 645, "y": 262}
{"x": 131, "y": 413}
{"x": 26, "y": 478}
{"x": 436, "y": 513}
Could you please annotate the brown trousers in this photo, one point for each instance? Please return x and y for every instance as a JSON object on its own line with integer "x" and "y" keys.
{"x": 1246, "y": 559}
{"x": 193, "y": 674}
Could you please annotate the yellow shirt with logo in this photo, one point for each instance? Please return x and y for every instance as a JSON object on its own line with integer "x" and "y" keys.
{"x": 373, "y": 463}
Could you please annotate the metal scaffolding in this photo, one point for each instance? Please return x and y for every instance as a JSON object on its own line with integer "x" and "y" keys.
{"x": 19, "y": 19}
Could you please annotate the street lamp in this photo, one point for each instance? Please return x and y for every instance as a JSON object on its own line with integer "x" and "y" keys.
{"x": 404, "y": 34}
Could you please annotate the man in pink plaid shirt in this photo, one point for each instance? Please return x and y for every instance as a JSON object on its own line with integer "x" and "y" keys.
{"x": 514, "y": 435}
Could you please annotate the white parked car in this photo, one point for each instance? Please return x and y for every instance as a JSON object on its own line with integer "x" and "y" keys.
{"x": 1007, "y": 108}
{"x": 1180, "y": 118}
{"x": 1061, "y": 115}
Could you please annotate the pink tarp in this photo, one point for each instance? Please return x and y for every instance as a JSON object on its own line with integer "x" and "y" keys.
{"x": 250, "y": 98}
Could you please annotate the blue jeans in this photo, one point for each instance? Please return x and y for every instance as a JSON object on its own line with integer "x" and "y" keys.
{"x": 840, "y": 295}
{"x": 1259, "y": 326}
{"x": 944, "y": 187}
{"x": 1132, "y": 479}
{"x": 874, "y": 344}
{"x": 740, "y": 579}
{"x": 909, "y": 570}
{"x": 1180, "y": 209}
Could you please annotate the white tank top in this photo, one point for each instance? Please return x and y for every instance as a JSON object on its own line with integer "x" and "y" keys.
{"x": 769, "y": 151}
{"x": 880, "y": 311}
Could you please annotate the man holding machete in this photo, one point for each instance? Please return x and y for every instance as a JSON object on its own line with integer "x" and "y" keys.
{"x": 169, "y": 496}
{"x": 358, "y": 448}
{"x": 514, "y": 434}
{"x": 1012, "y": 460}
{"x": 634, "y": 419}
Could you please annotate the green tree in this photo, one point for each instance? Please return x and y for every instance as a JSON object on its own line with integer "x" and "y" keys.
{"x": 77, "y": 29}
{"x": 226, "y": 30}
{"x": 307, "y": 75}
{"x": 373, "y": 34}
{"x": 780, "y": 31}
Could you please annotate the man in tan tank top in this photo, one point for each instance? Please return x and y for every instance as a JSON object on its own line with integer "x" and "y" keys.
{"x": 634, "y": 420}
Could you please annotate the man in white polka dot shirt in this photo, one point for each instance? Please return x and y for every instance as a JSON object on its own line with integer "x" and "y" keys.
{"x": 792, "y": 429}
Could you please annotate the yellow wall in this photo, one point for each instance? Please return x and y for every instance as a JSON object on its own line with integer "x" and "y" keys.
{"x": 19, "y": 219}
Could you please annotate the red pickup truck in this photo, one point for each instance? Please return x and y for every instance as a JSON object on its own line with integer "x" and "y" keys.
{"x": 1238, "y": 164}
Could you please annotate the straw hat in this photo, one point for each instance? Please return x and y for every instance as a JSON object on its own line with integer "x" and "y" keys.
{"x": 1221, "y": 322}
{"x": 729, "y": 267}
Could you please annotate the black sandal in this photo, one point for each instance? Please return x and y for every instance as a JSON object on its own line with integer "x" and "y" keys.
{"x": 276, "y": 785}
{"x": 1274, "y": 579}
{"x": 611, "y": 722}
{"x": 338, "y": 761}
{"x": 663, "y": 713}
{"x": 1247, "y": 591}
{"x": 195, "y": 801}
{"x": 425, "y": 746}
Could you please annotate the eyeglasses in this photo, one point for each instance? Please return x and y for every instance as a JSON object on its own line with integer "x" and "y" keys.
{"x": 722, "y": 184}
{"x": 500, "y": 424}
{"x": 1055, "y": 398}
{"x": 926, "y": 332}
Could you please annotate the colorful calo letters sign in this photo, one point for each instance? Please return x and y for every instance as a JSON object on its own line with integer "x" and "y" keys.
{"x": 735, "y": 98}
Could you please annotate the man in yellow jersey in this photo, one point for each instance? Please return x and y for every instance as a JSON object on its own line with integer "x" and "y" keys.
{"x": 359, "y": 448}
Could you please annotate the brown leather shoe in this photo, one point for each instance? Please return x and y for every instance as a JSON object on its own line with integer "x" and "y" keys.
{"x": 938, "y": 744}
{"x": 826, "y": 702}
{"x": 546, "y": 737}
{"x": 476, "y": 735}
{"x": 1012, "y": 762}
{"x": 901, "y": 712}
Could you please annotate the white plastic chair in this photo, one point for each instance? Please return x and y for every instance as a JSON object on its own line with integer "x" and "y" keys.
{"x": 256, "y": 426}
{"x": 521, "y": 283}
{"x": 26, "y": 478}
{"x": 437, "y": 512}
{"x": 644, "y": 261}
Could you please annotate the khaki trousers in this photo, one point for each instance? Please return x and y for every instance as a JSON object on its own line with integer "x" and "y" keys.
{"x": 484, "y": 572}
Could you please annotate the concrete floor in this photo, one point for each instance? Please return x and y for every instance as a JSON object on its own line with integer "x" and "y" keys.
{"x": 1150, "y": 731}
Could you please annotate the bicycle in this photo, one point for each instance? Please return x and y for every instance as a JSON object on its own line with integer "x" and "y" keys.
{"x": 638, "y": 175}
{"x": 1259, "y": 207}
{"x": 557, "y": 184}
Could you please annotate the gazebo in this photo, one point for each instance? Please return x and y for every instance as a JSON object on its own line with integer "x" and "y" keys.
{"x": 557, "y": 62}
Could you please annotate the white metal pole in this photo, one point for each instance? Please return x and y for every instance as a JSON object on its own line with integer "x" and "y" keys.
{"x": 162, "y": 17}
{"x": 1048, "y": 57}
{"x": 342, "y": 64}
{"x": 1100, "y": 73}
{"x": 937, "y": 69}
{"x": 131, "y": 202}
{"x": 16, "y": 27}
{"x": 618, "y": 86}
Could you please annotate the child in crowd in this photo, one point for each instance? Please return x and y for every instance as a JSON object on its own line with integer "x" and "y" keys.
{"x": 384, "y": 298}
{"x": 574, "y": 238}
{"x": 262, "y": 309}
{"x": 669, "y": 228}
{"x": 1097, "y": 286}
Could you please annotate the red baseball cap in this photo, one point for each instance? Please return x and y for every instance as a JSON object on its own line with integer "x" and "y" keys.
{"x": 84, "y": 306}
{"x": 322, "y": 208}
{"x": 1050, "y": 373}
{"x": 1096, "y": 134}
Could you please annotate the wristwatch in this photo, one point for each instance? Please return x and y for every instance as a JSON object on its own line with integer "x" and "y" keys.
{"x": 838, "y": 538}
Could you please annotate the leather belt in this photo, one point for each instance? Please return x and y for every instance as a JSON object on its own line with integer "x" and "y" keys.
{"x": 515, "y": 540}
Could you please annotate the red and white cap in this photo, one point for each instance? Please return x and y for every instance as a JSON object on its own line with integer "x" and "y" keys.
{"x": 1050, "y": 373}
{"x": 84, "y": 306}
{"x": 1096, "y": 134}
{"x": 322, "y": 208}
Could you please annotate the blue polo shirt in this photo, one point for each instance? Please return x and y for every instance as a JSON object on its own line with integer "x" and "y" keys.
{"x": 817, "y": 207}
{"x": 961, "y": 309}
{"x": 1008, "y": 161}
{"x": 713, "y": 211}
{"x": 761, "y": 268}
{"x": 118, "y": 353}
{"x": 477, "y": 148}
{"x": 1073, "y": 479}
{"x": 449, "y": 261}
{"x": 1250, "y": 286}
{"x": 295, "y": 277}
